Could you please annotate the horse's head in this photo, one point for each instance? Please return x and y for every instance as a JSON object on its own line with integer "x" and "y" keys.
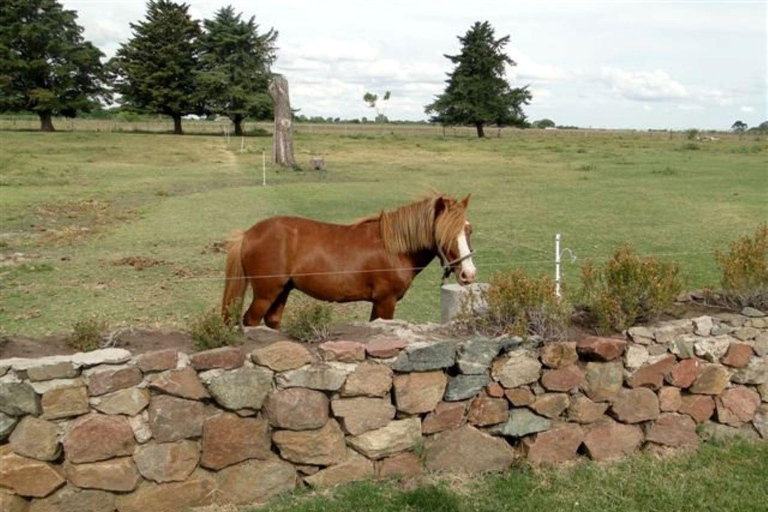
{"x": 453, "y": 234}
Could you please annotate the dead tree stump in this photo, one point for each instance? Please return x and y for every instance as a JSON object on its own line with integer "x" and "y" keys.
{"x": 282, "y": 139}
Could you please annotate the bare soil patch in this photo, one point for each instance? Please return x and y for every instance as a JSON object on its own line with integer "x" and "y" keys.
{"x": 138, "y": 262}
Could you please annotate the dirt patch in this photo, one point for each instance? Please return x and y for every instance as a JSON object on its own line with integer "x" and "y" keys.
{"x": 17, "y": 258}
{"x": 138, "y": 262}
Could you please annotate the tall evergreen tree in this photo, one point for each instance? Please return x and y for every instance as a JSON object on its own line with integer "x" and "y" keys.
{"x": 235, "y": 61}
{"x": 477, "y": 92}
{"x": 46, "y": 66}
{"x": 155, "y": 71}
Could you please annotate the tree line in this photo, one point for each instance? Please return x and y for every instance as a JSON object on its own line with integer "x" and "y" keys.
{"x": 172, "y": 65}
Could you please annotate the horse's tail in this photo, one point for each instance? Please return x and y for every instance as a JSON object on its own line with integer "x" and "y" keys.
{"x": 235, "y": 283}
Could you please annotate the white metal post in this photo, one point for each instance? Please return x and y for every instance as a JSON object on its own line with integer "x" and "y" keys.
{"x": 263, "y": 168}
{"x": 557, "y": 265}
{"x": 242, "y": 144}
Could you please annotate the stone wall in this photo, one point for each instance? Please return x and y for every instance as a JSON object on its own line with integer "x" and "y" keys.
{"x": 164, "y": 431}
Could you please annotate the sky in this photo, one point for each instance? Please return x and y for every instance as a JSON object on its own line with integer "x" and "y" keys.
{"x": 602, "y": 64}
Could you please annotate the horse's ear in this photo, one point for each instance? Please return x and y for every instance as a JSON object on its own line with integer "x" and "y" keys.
{"x": 440, "y": 206}
{"x": 465, "y": 201}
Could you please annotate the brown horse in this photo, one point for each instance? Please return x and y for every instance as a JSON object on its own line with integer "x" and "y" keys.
{"x": 375, "y": 259}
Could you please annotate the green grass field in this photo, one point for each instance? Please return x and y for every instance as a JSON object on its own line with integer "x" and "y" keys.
{"x": 77, "y": 203}
{"x": 715, "y": 478}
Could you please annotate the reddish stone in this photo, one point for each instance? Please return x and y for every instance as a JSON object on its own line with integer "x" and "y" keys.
{"x": 419, "y": 392}
{"x": 563, "y": 379}
{"x": 698, "y": 407}
{"x": 684, "y": 373}
{"x": 282, "y": 355}
{"x": 551, "y": 405}
{"x": 107, "y": 380}
{"x": 467, "y": 450}
{"x": 167, "y": 462}
{"x": 603, "y": 349}
{"x": 29, "y": 477}
{"x": 612, "y": 440}
{"x": 96, "y": 437}
{"x": 226, "y": 358}
{"x": 361, "y": 414}
{"x": 494, "y": 390}
{"x": 484, "y": 411}
{"x": 117, "y": 475}
{"x": 404, "y": 464}
{"x": 447, "y": 415}
{"x": 712, "y": 381}
{"x": 520, "y": 397}
{"x": 738, "y": 355}
{"x": 183, "y": 383}
{"x": 385, "y": 347}
{"x": 603, "y": 381}
{"x": 670, "y": 399}
{"x": 322, "y": 447}
{"x": 171, "y": 418}
{"x": 554, "y": 446}
{"x": 229, "y": 439}
{"x": 35, "y": 438}
{"x": 296, "y": 409}
{"x": 635, "y": 405}
{"x": 672, "y": 429}
{"x": 557, "y": 355}
{"x": 65, "y": 402}
{"x": 158, "y": 360}
{"x": 737, "y": 405}
{"x": 652, "y": 375}
{"x": 196, "y": 491}
{"x": 584, "y": 410}
{"x": 368, "y": 379}
{"x": 343, "y": 351}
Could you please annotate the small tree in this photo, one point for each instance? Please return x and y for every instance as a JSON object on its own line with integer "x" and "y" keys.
{"x": 46, "y": 66}
{"x": 372, "y": 101}
{"x": 155, "y": 71}
{"x": 477, "y": 91}
{"x": 739, "y": 126}
{"x": 235, "y": 61}
{"x": 543, "y": 123}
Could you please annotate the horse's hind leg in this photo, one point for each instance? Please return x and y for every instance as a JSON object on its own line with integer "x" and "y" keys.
{"x": 264, "y": 295}
{"x": 275, "y": 312}
{"x": 384, "y": 308}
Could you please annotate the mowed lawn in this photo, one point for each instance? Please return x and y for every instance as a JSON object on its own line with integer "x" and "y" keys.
{"x": 77, "y": 204}
{"x": 716, "y": 477}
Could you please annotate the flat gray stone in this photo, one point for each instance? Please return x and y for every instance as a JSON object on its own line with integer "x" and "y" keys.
{"x": 522, "y": 422}
{"x": 752, "y": 313}
{"x": 517, "y": 368}
{"x": 756, "y": 372}
{"x": 328, "y": 376}
{"x": 425, "y": 356}
{"x": 6, "y": 425}
{"x": 103, "y": 356}
{"x": 462, "y": 387}
{"x": 475, "y": 356}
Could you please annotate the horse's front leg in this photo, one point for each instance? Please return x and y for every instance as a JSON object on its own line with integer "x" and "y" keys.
{"x": 384, "y": 308}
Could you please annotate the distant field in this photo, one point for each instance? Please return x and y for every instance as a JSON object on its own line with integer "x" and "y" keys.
{"x": 83, "y": 205}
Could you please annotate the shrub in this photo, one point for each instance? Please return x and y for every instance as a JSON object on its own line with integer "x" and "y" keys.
{"x": 627, "y": 289}
{"x": 519, "y": 305}
{"x": 692, "y": 134}
{"x": 309, "y": 321}
{"x": 87, "y": 334}
{"x": 745, "y": 270}
{"x": 209, "y": 330}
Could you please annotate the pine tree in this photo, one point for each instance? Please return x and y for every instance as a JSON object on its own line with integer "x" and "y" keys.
{"x": 235, "y": 63}
{"x": 46, "y": 66}
{"x": 155, "y": 71}
{"x": 477, "y": 92}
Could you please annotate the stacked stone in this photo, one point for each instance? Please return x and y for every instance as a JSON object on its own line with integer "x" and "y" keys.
{"x": 105, "y": 431}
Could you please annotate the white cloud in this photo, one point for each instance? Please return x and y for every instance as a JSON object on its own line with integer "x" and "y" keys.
{"x": 746, "y": 109}
{"x": 647, "y": 108}
{"x": 655, "y": 85}
{"x": 331, "y": 50}
{"x": 529, "y": 70}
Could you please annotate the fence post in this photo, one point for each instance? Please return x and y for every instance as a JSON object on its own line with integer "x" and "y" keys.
{"x": 557, "y": 265}
{"x": 263, "y": 168}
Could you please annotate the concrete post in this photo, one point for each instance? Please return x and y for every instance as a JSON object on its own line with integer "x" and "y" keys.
{"x": 453, "y": 296}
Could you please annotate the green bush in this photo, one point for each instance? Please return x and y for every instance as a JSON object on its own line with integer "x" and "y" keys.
{"x": 87, "y": 334}
{"x": 209, "y": 330}
{"x": 518, "y": 305}
{"x": 627, "y": 289}
{"x": 745, "y": 271}
{"x": 309, "y": 321}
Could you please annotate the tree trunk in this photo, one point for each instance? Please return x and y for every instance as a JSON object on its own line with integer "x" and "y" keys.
{"x": 46, "y": 122}
{"x": 177, "y": 125}
{"x": 238, "y": 120}
{"x": 282, "y": 139}
{"x": 480, "y": 132}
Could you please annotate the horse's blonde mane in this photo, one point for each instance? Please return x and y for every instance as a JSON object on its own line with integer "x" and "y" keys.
{"x": 413, "y": 227}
